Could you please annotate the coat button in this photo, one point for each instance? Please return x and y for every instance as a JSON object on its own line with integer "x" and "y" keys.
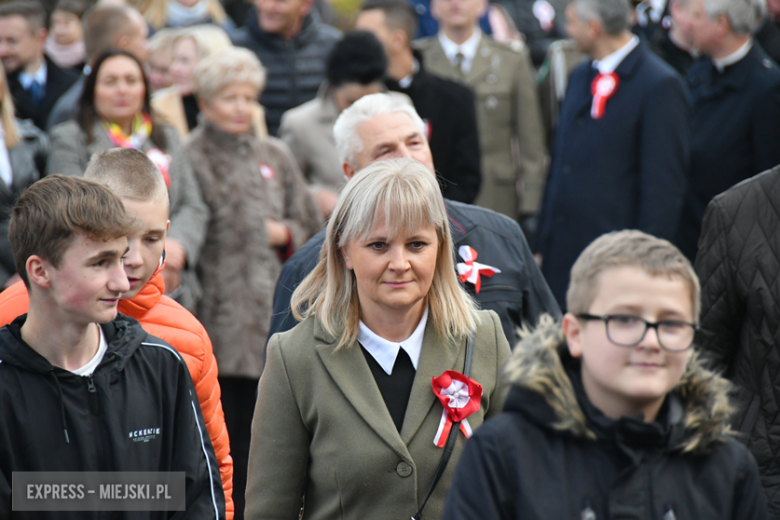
{"x": 404, "y": 469}
{"x": 491, "y": 102}
{"x": 491, "y": 78}
{"x": 420, "y": 9}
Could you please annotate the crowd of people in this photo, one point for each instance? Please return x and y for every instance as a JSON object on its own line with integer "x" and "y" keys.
{"x": 399, "y": 258}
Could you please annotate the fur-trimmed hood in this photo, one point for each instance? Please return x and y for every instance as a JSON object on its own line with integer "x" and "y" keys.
{"x": 698, "y": 413}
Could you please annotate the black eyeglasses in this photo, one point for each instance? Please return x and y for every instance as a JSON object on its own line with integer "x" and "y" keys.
{"x": 628, "y": 331}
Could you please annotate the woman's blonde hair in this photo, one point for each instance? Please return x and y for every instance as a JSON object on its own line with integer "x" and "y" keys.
{"x": 406, "y": 195}
{"x": 228, "y": 66}
{"x": 8, "y": 113}
{"x": 156, "y": 12}
{"x": 208, "y": 39}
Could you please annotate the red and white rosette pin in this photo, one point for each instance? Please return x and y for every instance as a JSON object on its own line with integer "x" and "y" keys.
{"x": 460, "y": 397}
{"x": 603, "y": 87}
{"x": 470, "y": 270}
{"x": 163, "y": 162}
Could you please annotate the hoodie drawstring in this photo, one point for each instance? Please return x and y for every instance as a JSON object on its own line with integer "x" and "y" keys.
{"x": 62, "y": 406}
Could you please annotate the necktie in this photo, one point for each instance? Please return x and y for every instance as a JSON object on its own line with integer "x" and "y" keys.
{"x": 36, "y": 91}
{"x": 459, "y": 60}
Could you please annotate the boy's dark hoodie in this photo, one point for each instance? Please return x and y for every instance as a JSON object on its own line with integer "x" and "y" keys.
{"x": 553, "y": 455}
{"x": 54, "y": 420}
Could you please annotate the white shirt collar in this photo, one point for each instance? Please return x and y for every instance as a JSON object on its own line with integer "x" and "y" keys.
{"x": 40, "y": 76}
{"x": 734, "y": 57}
{"x": 385, "y": 352}
{"x": 610, "y": 63}
{"x": 405, "y": 82}
{"x": 468, "y": 48}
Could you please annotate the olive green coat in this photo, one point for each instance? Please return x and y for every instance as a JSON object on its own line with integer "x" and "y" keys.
{"x": 321, "y": 427}
{"x": 510, "y": 122}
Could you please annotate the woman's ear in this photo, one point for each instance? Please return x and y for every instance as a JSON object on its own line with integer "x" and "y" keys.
{"x": 572, "y": 330}
{"x": 347, "y": 259}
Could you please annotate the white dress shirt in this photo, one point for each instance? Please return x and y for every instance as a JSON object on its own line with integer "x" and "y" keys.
{"x": 468, "y": 49}
{"x": 609, "y": 63}
{"x": 385, "y": 352}
{"x": 734, "y": 57}
{"x": 40, "y": 77}
{"x": 6, "y": 173}
{"x": 407, "y": 80}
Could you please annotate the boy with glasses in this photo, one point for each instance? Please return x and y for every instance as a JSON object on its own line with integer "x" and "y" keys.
{"x": 612, "y": 414}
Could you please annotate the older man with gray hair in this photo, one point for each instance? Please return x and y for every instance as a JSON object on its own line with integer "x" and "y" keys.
{"x": 496, "y": 264}
{"x": 735, "y": 121}
{"x": 620, "y": 156}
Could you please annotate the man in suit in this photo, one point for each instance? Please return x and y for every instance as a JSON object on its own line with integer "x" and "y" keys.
{"x": 735, "y": 121}
{"x": 34, "y": 80}
{"x": 620, "y": 156}
{"x": 447, "y": 106}
{"x": 379, "y": 127}
{"x": 507, "y": 107}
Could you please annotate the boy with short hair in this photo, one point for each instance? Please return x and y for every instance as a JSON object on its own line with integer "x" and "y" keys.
{"x": 132, "y": 176}
{"x": 612, "y": 414}
{"x": 75, "y": 378}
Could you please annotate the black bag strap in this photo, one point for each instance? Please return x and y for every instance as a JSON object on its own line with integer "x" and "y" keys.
{"x": 453, "y": 436}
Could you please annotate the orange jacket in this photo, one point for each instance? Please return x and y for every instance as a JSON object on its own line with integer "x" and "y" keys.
{"x": 162, "y": 317}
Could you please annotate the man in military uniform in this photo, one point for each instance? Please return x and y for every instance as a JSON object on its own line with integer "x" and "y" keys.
{"x": 507, "y": 106}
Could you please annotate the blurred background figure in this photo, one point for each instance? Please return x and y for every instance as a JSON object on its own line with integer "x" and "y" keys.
{"x": 186, "y": 13}
{"x": 65, "y": 43}
{"x": 23, "y": 154}
{"x": 446, "y": 106}
{"x": 541, "y": 22}
{"x": 158, "y": 65}
{"x": 106, "y": 27}
{"x": 769, "y": 33}
{"x": 34, "y": 81}
{"x": 114, "y": 111}
{"x": 510, "y": 124}
{"x": 293, "y": 45}
{"x": 620, "y": 159}
{"x": 675, "y": 45}
{"x": 735, "y": 121}
{"x": 178, "y": 104}
{"x": 356, "y": 67}
{"x": 261, "y": 212}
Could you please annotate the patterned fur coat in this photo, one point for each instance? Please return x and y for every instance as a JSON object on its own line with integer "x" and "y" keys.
{"x": 245, "y": 180}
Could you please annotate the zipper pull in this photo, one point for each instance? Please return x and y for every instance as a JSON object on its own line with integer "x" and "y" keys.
{"x": 94, "y": 397}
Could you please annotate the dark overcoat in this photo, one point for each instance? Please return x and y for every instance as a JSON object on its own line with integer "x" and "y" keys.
{"x": 624, "y": 170}
{"x": 735, "y": 131}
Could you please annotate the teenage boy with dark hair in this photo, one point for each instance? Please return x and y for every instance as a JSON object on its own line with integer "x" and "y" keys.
{"x": 132, "y": 176}
{"x": 613, "y": 414}
{"x": 75, "y": 378}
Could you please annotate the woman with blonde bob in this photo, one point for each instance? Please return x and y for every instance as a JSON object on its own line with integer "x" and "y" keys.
{"x": 346, "y": 412}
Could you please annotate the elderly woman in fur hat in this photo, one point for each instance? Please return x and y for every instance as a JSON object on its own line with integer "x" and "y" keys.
{"x": 261, "y": 211}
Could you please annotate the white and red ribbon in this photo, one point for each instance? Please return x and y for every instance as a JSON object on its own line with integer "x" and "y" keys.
{"x": 470, "y": 270}
{"x": 163, "y": 162}
{"x": 460, "y": 397}
{"x": 602, "y": 88}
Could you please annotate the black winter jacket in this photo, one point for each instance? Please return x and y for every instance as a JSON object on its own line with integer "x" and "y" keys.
{"x": 739, "y": 268}
{"x": 518, "y": 294}
{"x": 54, "y": 420}
{"x": 553, "y": 455}
{"x": 295, "y": 68}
